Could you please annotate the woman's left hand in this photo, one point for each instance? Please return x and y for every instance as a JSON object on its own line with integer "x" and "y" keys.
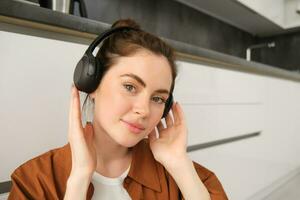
{"x": 170, "y": 146}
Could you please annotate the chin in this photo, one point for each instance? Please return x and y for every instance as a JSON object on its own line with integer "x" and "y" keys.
{"x": 128, "y": 143}
{"x": 128, "y": 140}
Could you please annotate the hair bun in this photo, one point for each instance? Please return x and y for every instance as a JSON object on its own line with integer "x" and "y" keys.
{"x": 126, "y": 22}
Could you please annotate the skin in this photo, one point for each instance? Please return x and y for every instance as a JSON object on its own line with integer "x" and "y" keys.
{"x": 104, "y": 146}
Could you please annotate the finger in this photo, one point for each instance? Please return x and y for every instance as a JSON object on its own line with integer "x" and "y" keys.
{"x": 160, "y": 126}
{"x": 71, "y": 112}
{"x": 152, "y": 136}
{"x": 175, "y": 114}
{"x": 169, "y": 120}
{"x": 74, "y": 115}
{"x": 180, "y": 119}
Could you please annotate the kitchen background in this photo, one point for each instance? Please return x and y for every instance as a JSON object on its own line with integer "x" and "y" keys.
{"x": 243, "y": 116}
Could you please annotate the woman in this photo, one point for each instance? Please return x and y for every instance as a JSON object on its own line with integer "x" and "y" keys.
{"x": 125, "y": 152}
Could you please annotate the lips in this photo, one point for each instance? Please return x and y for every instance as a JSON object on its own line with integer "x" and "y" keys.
{"x": 134, "y": 127}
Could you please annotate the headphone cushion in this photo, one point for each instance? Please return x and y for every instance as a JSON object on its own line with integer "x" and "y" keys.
{"x": 86, "y": 77}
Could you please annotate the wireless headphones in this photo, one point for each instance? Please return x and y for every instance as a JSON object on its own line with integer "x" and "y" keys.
{"x": 89, "y": 70}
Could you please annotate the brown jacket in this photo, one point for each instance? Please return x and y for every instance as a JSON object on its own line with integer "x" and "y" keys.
{"x": 45, "y": 177}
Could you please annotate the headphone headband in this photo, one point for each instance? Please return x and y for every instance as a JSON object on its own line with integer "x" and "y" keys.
{"x": 104, "y": 35}
{"x": 89, "y": 70}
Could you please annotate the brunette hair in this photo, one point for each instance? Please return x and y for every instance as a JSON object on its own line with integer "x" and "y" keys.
{"x": 126, "y": 43}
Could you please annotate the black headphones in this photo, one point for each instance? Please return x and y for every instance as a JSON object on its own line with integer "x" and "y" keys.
{"x": 89, "y": 70}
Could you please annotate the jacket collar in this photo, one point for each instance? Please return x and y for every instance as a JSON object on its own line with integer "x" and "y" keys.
{"x": 144, "y": 169}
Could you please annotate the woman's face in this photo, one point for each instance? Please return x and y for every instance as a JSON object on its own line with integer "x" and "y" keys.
{"x": 132, "y": 94}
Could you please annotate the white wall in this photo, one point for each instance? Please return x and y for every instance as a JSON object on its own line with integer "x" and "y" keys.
{"x": 234, "y": 103}
{"x": 219, "y": 103}
{"x": 4, "y": 196}
{"x": 281, "y": 12}
{"x": 274, "y": 10}
{"x": 292, "y": 18}
{"x": 35, "y": 79}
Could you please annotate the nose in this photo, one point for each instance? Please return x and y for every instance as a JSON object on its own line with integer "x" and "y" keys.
{"x": 142, "y": 106}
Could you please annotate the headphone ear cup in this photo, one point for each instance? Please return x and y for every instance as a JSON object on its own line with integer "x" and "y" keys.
{"x": 89, "y": 70}
{"x": 168, "y": 106}
{"x": 85, "y": 76}
{"x": 100, "y": 70}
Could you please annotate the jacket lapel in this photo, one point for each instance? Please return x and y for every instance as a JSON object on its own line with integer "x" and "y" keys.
{"x": 143, "y": 171}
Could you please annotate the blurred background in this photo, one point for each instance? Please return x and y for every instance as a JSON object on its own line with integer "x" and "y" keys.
{"x": 238, "y": 82}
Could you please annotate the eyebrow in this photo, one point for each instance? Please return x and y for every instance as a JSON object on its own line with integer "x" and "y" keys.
{"x": 138, "y": 79}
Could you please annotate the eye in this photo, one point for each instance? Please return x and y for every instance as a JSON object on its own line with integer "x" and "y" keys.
{"x": 129, "y": 87}
{"x": 159, "y": 100}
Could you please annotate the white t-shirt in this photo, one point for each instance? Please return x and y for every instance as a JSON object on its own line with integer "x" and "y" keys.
{"x": 109, "y": 188}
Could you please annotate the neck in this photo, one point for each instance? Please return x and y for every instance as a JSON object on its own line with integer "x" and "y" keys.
{"x": 112, "y": 158}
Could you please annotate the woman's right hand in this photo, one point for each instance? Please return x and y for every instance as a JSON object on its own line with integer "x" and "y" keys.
{"x": 83, "y": 152}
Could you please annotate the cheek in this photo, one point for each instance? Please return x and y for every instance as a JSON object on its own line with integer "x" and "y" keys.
{"x": 155, "y": 118}
{"x": 110, "y": 106}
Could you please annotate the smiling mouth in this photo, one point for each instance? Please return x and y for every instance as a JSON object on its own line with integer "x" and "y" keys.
{"x": 133, "y": 128}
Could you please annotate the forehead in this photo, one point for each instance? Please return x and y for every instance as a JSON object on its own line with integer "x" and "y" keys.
{"x": 153, "y": 69}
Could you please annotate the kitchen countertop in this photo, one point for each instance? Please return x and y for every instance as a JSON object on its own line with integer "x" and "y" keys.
{"x": 38, "y": 18}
